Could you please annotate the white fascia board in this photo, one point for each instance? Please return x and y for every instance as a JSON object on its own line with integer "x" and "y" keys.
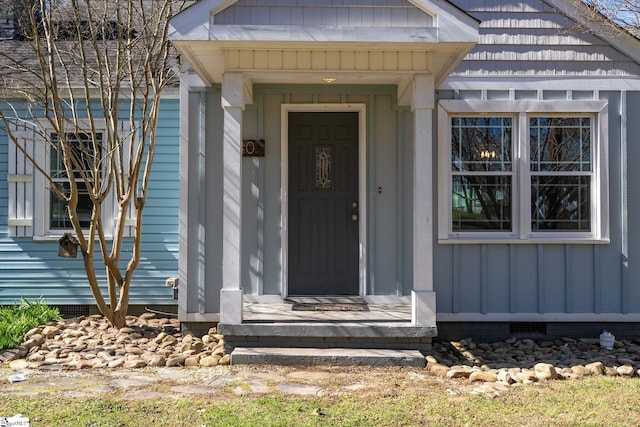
{"x": 221, "y": 5}
{"x": 576, "y": 83}
{"x": 302, "y": 34}
{"x": 622, "y": 41}
{"x": 538, "y": 317}
{"x": 193, "y": 22}
{"x": 170, "y": 93}
{"x": 530, "y": 106}
{"x": 199, "y": 55}
{"x": 199, "y": 317}
{"x": 453, "y": 23}
{"x": 192, "y": 80}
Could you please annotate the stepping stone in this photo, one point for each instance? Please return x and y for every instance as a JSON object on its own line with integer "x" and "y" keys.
{"x": 326, "y": 356}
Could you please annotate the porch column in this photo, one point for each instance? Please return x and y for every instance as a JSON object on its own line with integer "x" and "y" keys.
{"x": 423, "y": 299}
{"x": 231, "y": 292}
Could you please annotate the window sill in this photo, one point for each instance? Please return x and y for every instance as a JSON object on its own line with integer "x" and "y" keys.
{"x": 56, "y": 237}
{"x": 564, "y": 240}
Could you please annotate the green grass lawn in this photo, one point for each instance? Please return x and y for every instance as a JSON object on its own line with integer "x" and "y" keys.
{"x": 16, "y": 320}
{"x": 429, "y": 402}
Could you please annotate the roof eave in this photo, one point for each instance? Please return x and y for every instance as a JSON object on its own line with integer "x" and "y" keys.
{"x": 622, "y": 40}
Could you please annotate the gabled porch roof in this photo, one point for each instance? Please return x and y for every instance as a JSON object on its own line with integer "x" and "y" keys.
{"x": 386, "y": 50}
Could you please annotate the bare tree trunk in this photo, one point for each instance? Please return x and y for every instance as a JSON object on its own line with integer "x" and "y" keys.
{"x": 85, "y": 59}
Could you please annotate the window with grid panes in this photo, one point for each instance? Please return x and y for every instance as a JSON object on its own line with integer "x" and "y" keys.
{"x": 83, "y": 154}
{"x": 523, "y": 174}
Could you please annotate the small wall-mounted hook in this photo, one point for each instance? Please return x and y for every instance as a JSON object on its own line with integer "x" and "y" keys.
{"x": 379, "y": 190}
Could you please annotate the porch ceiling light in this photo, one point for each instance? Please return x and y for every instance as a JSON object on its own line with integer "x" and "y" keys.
{"x": 329, "y": 79}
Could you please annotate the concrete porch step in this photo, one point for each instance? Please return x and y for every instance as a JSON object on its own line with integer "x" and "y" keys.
{"x": 326, "y": 356}
{"x": 343, "y": 329}
{"x": 347, "y": 335}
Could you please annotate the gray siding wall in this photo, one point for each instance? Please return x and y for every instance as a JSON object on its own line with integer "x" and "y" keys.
{"x": 555, "y": 278}
{"x": 261, "y": 186}
{"x": 518, "y": 39}
{"x": 269, "y": 104}
{"x": 631, "y": 175}
{"x": 204, "y": 234}
{"x": 468, "y": 278}
{"x": 406, "y": 136}
{"x": 32, "y": 269}
{"x": 263, "y": 175}
{"x": 347, "y": 13}
{"x": 531, "y": 38}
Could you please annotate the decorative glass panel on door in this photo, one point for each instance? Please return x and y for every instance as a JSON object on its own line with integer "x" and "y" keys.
{"x": 324, "y": 170}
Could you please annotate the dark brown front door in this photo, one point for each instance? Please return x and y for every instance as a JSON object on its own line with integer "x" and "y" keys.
{"x": 323, "y": 204}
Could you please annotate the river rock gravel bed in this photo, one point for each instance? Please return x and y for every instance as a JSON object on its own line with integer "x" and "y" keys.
{"x": 91, "y": 342}
{"x": 149, "y": 341}
{"x": 520, "y": 362}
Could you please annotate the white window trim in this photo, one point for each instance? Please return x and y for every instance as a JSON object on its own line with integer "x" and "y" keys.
{"x": 521, "y": 110}
{"x": 285, "y": 109}
{"x": 42, "y": 194}
{"x": 20, "y": 183}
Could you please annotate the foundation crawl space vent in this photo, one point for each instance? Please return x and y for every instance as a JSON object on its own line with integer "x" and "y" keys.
{"x": 70, "y": 310}
{"x": 528, "y": 328}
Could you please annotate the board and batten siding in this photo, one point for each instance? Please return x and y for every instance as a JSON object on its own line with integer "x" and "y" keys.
{"x": 532, "y": 38}
{"x": 32, "y": 269}
{"x": 540, "y": 281}
{"x": 529, "y": 50}
{"x": 384, "y": 206}
{"x": 4, "y": 189}
{"x": 345, "y": 13}
{"x": 261, "y": 255}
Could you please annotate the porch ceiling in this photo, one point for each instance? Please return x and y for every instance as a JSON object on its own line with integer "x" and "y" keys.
{"x": 301, "y": 62}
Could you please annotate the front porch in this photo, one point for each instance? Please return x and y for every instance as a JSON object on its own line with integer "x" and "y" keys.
{"x": 340, "y": 201}
{"x": 381, "y": 326}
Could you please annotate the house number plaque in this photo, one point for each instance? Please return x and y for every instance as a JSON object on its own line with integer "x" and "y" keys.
{"x": 253, "y": 148}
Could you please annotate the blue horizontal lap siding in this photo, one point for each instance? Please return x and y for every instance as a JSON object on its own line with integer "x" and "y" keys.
{"x": 159, "y": 195}
{"x": 4, "y": 189}
{"x": 32, "y": 269}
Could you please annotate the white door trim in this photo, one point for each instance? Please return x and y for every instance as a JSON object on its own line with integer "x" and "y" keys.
{"x": 362, "y": 184}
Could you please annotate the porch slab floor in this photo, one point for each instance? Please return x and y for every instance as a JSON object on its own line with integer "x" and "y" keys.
{"x": 377, "y": 313}
{"x": 384, "y": 326}
{"x": 326, "y": 356}
{"x": 380, "y": 321}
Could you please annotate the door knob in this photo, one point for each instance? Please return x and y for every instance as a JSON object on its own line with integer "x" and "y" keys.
{"x": 354, "y": 217}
